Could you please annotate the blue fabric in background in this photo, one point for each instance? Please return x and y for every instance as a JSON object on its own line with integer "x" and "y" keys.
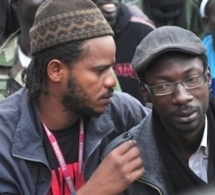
{"x": 208, "y": 43}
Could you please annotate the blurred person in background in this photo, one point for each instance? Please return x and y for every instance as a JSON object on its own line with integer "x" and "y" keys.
{"x": 183, "y": 13}
{"x": 9, "y": 20}
{"x": 15, "y": 51}
{"x": 129, "y": 30}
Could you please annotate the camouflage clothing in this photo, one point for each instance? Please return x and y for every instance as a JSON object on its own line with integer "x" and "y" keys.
{"x": 10, "y": 66}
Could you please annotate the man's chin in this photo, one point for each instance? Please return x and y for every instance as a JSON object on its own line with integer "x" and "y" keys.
{"x": 90, "y": 112}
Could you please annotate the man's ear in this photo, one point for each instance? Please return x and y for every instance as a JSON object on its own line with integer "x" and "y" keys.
{"x": 146, "y": 94}
{"x": 55, "y": 70}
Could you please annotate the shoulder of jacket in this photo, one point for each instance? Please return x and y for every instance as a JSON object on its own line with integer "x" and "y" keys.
{"x": 125, "y": 102}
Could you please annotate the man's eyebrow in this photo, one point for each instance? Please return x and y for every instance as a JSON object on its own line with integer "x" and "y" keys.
{"x": 102, "y": 66}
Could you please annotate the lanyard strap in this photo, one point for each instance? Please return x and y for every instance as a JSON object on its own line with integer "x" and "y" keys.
{"x": 60, "y": 158}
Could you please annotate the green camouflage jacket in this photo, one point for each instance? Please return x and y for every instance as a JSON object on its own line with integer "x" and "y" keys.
{"x": 10, "y": 66}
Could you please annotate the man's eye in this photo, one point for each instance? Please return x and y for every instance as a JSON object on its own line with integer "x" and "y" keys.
{"x": 162, "y": 86}
{"x": 192, "y": 80}
{"x": 101, "y": 70}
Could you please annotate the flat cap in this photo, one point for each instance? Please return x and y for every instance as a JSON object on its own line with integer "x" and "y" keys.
{"x": 165, "y": 39}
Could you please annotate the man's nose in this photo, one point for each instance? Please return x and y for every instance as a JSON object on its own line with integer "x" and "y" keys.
{"x": 181, "y": 95}
{"x": 110, "y": 80}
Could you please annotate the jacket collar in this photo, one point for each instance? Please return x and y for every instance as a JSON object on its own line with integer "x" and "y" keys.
{"x": 28, "y": 137}
{"x": 95, "y": 132}
{"x": 153, "y": 174}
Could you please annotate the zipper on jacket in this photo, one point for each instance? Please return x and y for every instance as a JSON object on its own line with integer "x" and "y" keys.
{"x": 151, "y": 185}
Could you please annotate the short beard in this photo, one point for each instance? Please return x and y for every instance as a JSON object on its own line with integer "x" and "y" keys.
{"x": 187, "y": 129}
{"x": 76, "y": 101}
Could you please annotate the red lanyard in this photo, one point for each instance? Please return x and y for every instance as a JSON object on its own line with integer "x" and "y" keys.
{"x": 60, "y": 158}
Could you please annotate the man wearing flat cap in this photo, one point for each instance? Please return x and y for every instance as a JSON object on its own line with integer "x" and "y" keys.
{"x": 176, "y": 140}
{"x": 53, "y": 130}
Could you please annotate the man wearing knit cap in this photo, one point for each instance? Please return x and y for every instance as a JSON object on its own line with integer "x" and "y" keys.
{"x": 176, "y": 140}
{"x": 54, "y": 130}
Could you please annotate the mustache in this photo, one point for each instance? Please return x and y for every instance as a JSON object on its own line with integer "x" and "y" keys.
{"x": 185, "y": 109}
{"x": 108, "y": 94}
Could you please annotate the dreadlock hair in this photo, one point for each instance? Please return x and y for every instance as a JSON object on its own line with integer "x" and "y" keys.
{"x": 35, "y": 75}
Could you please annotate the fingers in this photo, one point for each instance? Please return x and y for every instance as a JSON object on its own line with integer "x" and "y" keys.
{"x": 118, "y": 170}
{"x": 127, "y": 158}
{"x": 134, "y": 175}
{"x": 128, "y": 150}
{"x": 134, "y": 168}
{"x": 132, "y": 154}
{"x": 132, "y": 163}
{"x": 125, "y": 147}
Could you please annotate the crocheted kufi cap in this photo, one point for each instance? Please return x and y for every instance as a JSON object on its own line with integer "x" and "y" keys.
{"x": 62, "y": 21}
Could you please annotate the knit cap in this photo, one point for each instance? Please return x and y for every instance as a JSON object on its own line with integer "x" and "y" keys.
{"x": 62, "y": 21}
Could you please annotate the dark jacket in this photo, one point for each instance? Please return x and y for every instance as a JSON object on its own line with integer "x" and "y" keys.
{"x": 128, "y": 33}
{"x": 183, "y": 13}
{"x": 24, "y": 168}
{"x": 155, "y": 180}
{"x": 9, "y": 20}
{"x": 152, "y": 182}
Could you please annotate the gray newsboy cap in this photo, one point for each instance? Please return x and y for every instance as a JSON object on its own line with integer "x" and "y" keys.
{"x": 165, "y": 39}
